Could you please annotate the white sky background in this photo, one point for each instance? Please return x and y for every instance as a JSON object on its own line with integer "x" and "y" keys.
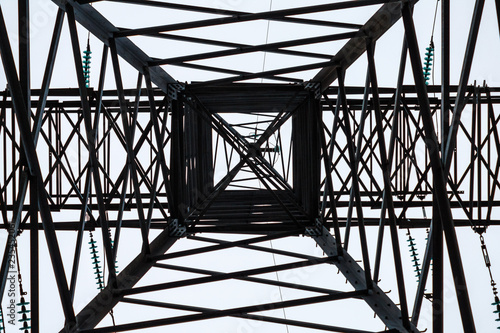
{"x": 388, "y": 52}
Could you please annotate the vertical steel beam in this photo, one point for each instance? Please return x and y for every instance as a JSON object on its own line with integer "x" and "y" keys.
{"x": 91, "y": 135}
{"x": 436, "y": 223}
{"x": 306, "y": 164}
{"x": 177, "y": 160}
{"x": 49, "y": 68}
{"x": 445, "y": 72}
{"x": 462, "y": 86}
{"x": 386, "y": 168}
{"x": 35, "y": 171}
{"x": 79, "y": 239}
{"x": 329, "y": 183}
{"x": 392, "y": 144}
{"x": 24, "y": 52}
{"x": 34, "y": 257}
{"x": 496, "y": 137}
{"x": 438, "y": 174}
{"x": 361, "y": 127}
{"x": 129, "y": 138}
{"x": 25, "y": 82}
{"x": 497, "y": 7}
{"x": 162, "y": 161}
{"x": 355, "y": 179}
{"x": 314, "y": 162}
{"x": 436, "y": 255}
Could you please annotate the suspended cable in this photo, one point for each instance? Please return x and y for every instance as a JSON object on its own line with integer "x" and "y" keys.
{"x": 429, "y": 54}
{"x": 264, "y": 64}
{"x": 256, "y": 134}
{"x": 267, "y": 40}
{"x": 435, "y": 17}
{"x": 277, "y": 149}
{"x": 432, "y": 35}
{"x": 279, "y": 287}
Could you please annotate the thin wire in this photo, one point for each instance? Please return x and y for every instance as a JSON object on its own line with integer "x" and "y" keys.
{"x": 267, "y": 40}
{"x": 279, "y": 287}
{"x": 432, "y": 38}
{"x": 261, "y": 81}
{"x": 263, "y": 68}
{"x": 434, "y": 50}
{"x": 435, "y": 16}
{"x": 88, "y": 36}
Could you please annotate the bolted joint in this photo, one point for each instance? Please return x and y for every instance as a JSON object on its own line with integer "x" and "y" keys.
{"x": 316, "y": 230}
{"x": 176, "y": 229}
{"x": 173, "y": 89}
{"x": 323, "y": 238}
{"x": 314, "y": 87}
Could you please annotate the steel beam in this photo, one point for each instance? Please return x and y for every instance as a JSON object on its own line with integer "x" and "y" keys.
{"x": 437, "y": 225}
{"x": 439, "y": 175}
{"x": 375, "y": 27}
{"x": 106, "y": 300}
{"x": 250, "y": 17}
{"x": 355, "y": 179}
{"x": 250, "y": 279}
{"x": 225, "y": 276}
{"x": 386, "y": 169}
{"x": 129, "y": 131}
{"x": 257, "y": 48}
{"x": 227, "y": 312}
{"x": 35, "y": 172}
{"x": 380, "y": 303}
{"x": 289, "y": 322}
{"x": 101, "y": 28}
{"x": 90, "y": 133}
{"x": 392, "y": 143}
{"x": 214, "y": 42}
{"x": 462, "y": 86}
{"x": 220, "y": 11}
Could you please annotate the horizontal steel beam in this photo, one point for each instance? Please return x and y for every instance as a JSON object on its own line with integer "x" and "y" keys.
{"x": 257, "y": 48}
{"x": 251, "y": 17}
{"x": 220, "y": 11}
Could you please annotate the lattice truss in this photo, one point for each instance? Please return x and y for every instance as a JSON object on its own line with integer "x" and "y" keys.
{"x": 191, "y": 196}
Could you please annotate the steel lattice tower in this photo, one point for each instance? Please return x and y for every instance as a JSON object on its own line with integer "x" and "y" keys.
{"x": 233, "y": 164}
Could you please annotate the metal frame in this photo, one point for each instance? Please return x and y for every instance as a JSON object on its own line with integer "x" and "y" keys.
{"x": 325, "y": 173}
